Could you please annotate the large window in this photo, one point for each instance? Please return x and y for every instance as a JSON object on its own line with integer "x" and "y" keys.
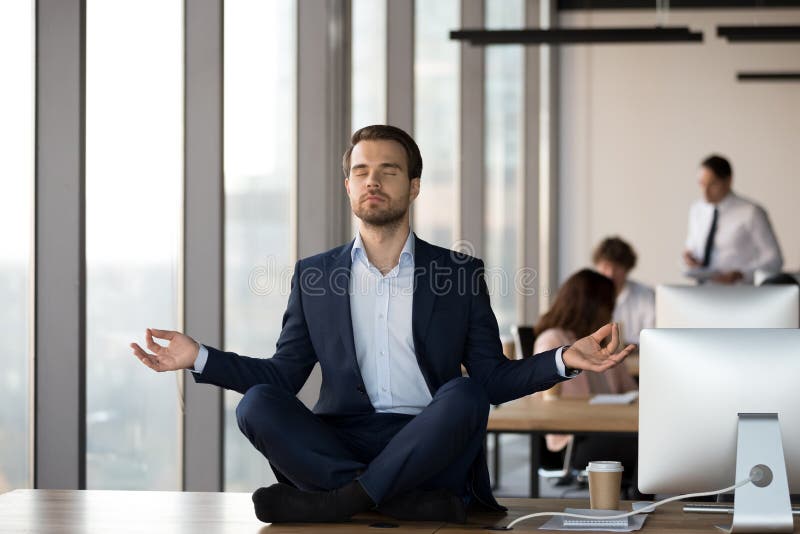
{"x": 368, "y": 63}
{"x": 504, "y": 123}
{"x": 134, "y": 183}
{"x": 368, "y": 56}
{"x": 260, "y": 170}
{"x": 436, "y": 118}
{"x": 16, "y": 249}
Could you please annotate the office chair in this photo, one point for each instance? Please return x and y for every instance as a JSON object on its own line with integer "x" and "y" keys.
{"x": 524, "y": 339}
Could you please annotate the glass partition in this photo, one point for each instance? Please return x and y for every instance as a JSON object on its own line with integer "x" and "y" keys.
{"x": 437, "y": 113}
{"x": 504, "y": 129}
{"x": 17, "y": 126}
{"x": 260, "y": 177}
{"x": 134, "y": 214}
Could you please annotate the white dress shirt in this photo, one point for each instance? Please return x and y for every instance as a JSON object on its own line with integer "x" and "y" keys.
{"x": 744, "y": 240}
{"x": 381, "y": 308}
{"x": 635, "y": 310}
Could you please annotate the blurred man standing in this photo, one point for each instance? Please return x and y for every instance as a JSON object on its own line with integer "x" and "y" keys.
{"x": 636, "y": 303}
{"x": 729, "y": 236}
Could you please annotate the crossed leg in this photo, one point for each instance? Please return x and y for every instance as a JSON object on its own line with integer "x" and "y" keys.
{"x": 344, "y": 471}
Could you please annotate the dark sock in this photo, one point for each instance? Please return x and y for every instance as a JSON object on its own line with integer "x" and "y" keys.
{"x": 354, "y": 497}
{"x": 281, "y": 503}
{"x": 420, "y": 505}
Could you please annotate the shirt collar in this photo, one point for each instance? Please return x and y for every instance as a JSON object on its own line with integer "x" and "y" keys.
{"x": 407, "y": 254}
{"x": 725, "y": 203}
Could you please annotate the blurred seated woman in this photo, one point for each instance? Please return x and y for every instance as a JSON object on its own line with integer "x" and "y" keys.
{"x": 584, "y": 303}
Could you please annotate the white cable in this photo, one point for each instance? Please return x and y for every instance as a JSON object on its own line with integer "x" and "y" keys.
{"x": 648, "y": 508}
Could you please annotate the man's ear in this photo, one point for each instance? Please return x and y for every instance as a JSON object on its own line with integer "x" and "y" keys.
{"x": 347, "y": 186}
{"x": 414, "y": 188}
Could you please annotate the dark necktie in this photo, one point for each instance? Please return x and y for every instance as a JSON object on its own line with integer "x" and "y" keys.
{"x": 710, "y": 239}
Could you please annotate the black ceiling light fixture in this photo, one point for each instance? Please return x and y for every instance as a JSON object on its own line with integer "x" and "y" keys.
{"x": 759, "y": 34}
{"x": 768, "y": 76}
{"x": 602, "y": 5}
{"x": 660, "y": 33}
{"x": 566, "y": 36}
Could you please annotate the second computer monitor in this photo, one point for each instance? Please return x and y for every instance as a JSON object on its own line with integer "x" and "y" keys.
{"x": 714, "y": 306}
{"x": 693, "y": 385}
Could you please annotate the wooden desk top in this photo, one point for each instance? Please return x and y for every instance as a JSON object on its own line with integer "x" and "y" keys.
{"x": 174, "y": 512}
{"x": 563, "y": 415}
{"x": 161, "y": 512}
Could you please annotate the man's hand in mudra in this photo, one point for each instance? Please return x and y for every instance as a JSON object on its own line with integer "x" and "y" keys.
{"x": 180, "y": 353}
{"x": 590, "y": 354}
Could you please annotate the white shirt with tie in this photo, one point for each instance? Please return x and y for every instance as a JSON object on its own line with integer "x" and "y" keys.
{"x": 744, "y": 240}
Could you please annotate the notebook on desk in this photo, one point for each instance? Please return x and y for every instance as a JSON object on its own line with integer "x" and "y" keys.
{"x": 613, "y": 398}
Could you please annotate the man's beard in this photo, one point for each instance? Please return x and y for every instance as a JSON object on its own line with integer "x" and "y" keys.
{"x": 381, "y": 217}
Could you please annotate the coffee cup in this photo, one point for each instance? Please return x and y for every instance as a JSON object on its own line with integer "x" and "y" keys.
{"x": 605, "y": 478}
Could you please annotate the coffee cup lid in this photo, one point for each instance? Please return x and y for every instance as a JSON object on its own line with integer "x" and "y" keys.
{"x": 605, "y": 467}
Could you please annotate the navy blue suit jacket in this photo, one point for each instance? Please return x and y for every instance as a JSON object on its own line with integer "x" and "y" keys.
{"x": 452, "y": 324}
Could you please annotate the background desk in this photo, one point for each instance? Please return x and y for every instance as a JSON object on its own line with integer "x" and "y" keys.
{"x": 535, "y": 416}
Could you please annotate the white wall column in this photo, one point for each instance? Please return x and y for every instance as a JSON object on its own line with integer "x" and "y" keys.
{"x": 400, "y": 64}
{"x": 472, "y": 131}
{"x": 60, "y": 301}
{"x": 204, "y": 251}
{"x": 548, "y": 159}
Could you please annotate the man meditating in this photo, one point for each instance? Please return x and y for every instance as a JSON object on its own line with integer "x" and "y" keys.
{"x": 390, "y": 319}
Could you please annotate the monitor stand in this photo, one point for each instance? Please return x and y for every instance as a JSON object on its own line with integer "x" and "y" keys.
{"x": 763, "y": 505}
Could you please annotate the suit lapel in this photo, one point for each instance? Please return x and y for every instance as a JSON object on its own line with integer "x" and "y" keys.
{"x": 338, "y": 276}
{"x": 424, "y": 297}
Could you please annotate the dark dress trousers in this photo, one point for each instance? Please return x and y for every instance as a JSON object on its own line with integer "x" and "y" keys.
{"x": 344, "y": 438}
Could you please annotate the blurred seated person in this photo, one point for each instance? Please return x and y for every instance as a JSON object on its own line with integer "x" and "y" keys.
{"x": 635, "y": 307}
{"x": 583, "y": 303}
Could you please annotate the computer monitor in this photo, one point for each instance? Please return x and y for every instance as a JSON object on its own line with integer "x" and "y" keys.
{"x": 714, "y": 306}
{"x": 693, "y": 386}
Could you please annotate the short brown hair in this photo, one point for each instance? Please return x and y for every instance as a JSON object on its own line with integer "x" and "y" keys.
{"x": 378, "y": 132}
{"x": 615, "y": 250}
{"x": 720, "y": 166}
